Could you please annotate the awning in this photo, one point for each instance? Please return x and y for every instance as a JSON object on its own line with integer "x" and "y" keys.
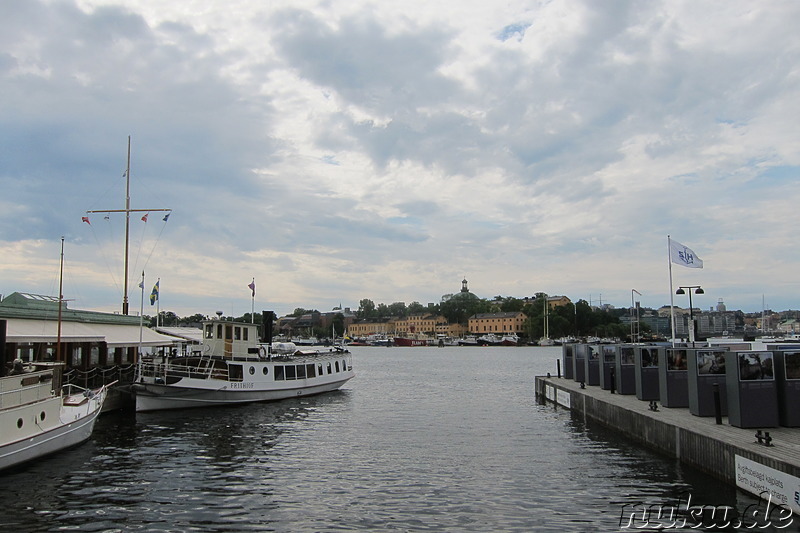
{"x": 114, "y": 335}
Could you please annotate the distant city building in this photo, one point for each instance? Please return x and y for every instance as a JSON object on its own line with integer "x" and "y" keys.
{"x": 497, "y": 322}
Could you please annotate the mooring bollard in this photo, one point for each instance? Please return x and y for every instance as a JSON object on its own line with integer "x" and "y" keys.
{"x": 558, "y": 367}
{"x": 717, "y": 404}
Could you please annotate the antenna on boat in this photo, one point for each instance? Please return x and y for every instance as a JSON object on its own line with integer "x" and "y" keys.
{"x": 128, "y": 212}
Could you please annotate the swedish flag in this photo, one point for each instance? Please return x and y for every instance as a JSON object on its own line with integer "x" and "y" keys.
{"x": 154, "y": 293}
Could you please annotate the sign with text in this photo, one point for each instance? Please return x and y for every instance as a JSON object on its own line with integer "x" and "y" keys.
{"x": 757, "y": 479}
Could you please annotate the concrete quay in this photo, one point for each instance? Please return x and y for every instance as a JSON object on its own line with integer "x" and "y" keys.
{"x": 726, "y": 452}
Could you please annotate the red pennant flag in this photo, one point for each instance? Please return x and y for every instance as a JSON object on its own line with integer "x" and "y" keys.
{"x": 144, "y": 218}
{"x": 86, "y": 219}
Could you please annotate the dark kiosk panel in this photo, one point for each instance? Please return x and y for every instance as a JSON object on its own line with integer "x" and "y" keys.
{"x": 673, "y": 378}
{"x": 625, "y": 369}
{"x": 787, "y": 372}
{"x": 646, "y": 362}
{"x": 706, "y": 368}
{"x": 752, "y": 392}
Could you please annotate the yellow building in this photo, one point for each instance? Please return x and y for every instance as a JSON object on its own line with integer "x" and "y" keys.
{"x": 366, "y": 328}
{"x": 497, "y": 323}
{"x": 418, "y": 324}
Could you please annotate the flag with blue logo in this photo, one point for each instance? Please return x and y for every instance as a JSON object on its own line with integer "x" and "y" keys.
{"x": 681, "y": 255}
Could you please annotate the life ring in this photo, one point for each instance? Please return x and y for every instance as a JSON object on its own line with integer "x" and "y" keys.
{"x": 262, "y": 352}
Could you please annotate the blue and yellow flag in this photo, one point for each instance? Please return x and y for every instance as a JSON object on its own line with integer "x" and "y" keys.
{"x": 154, "y": 293}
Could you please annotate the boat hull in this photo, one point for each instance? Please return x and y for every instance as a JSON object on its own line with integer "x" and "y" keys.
{"x": 258, "y": 381}
{"x": 405, "y": 341}
{"x": 154, "y": 397}
{"x": 73, "y": 425}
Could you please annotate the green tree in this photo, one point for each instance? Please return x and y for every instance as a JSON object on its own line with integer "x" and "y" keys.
{"x": 366, "y": 309}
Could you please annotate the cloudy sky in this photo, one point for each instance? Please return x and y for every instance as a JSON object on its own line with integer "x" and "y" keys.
{"x": 340, "y": 150}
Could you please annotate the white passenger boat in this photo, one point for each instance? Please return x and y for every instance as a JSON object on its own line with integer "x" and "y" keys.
{"x": 232, "y": 367}
{"x": 39, "y": 417}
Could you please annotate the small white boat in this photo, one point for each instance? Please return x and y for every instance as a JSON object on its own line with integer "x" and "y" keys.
{"x": 39, "y": 417}
{"x": 232, "y": 367}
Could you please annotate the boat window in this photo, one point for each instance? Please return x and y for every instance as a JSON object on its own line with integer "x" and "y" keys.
{"x": 41, "y": 416}
{"x": 329, "y": 368}
{"x": 209, "y": 331}
{"x": 228, "y": 332}
{"x": 319, "y": 369}
{"x": 278, "y": 373}
{"x": 344, "y": 365}
{"x": 237, "y": 333}
{"x": 311, "y": 370}
{"x": 246, "y": 333}
{"x": 290, "y": 372}
{"x": 219, "y": 331}
{"x": 337, "y": 365}
{"x": 301, "y": 371}
{"x": 252, "y": 370}
{"x": 235, "y": 373}
{"x": 265, "y": 370}
{"x": 19, "y": 423}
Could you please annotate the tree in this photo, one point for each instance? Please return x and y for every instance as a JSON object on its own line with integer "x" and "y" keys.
{"x": 416, "y": 308}
{"x": 366, "y": 309}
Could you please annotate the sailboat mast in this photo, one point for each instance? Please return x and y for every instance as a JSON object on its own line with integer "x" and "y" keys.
{"x": 127, "y": 227}
{"x": 60, "y": 300}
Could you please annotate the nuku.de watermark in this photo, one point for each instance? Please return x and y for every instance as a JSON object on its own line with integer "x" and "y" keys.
{"x": 683, "y": 514}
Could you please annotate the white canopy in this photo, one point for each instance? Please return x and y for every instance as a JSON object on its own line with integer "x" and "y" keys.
{"x": 115, "y": 335}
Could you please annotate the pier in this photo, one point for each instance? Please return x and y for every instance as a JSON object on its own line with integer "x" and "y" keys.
{"x": 729, "y": 453}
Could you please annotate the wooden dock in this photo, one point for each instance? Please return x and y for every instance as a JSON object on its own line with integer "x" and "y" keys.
{"x": 696, "y": 441}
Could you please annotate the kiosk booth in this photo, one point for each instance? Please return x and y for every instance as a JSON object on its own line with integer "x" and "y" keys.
{"x": 787, "y": 371}
{"x": 673, "y": 378}
{"x": 752, "y": 390}
{"x": 579, "y": 364}
{"x": 646, "y": 372}
{"x": 625, "y": 367}
{"x": 608, "y": 362}
{"x": 567, "y": 355}
{"x": 706, "y": 368}
{"x": 592, "y": 363}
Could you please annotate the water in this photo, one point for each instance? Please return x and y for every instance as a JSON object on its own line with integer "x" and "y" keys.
{"x": 423, "y": 439}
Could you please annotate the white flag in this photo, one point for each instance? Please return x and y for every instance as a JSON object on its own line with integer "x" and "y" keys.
{"x": 682, "y": 255}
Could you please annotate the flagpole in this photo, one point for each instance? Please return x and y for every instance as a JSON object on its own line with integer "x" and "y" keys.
{"x": 141, "y": 315}
{"x": 253, "y": 303}
{"x": 671, "y": 292}
{"x": 158, "y": 301}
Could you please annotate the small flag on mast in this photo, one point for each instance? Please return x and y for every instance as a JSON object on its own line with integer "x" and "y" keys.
{"x": 144, "y": 218}
{"x": 86, "y": 219}
{"x": 252, "y": 287}
{"x": 154, "y": 293}
{"x": 681, "y": 255}
{"x": 166, "y": 216}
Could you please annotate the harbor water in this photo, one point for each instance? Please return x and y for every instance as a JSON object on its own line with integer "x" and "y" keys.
{"x": 423, "y": 439}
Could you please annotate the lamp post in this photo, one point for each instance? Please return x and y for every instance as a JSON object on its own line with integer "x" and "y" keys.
{"x": 697, "y": 290}
{"x": 634, "y": 318}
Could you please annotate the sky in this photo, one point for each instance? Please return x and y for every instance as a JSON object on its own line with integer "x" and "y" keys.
{"x": 335, "y": 151}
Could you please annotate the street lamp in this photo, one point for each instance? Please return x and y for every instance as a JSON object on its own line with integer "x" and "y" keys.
{"x": 634, "y": 325}
{"x": 697, "y": 290}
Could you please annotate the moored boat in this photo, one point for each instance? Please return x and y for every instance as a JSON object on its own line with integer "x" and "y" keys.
{"x": 410, "y": 341}
{"x": 39, "y": 416}
{"x": 233, "y": 367}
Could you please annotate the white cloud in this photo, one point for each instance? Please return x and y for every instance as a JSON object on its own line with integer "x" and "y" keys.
{"x": 346, "y": 150}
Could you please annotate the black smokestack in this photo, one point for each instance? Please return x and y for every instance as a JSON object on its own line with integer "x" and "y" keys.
{"x": 267, "y": 319}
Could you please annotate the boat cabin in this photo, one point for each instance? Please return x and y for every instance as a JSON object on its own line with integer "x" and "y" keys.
{"x": 229, "y": 339}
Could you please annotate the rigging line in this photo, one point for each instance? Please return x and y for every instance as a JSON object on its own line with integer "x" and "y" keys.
{"x": 105, "y": 258}
{"x": 153, "y": 249}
